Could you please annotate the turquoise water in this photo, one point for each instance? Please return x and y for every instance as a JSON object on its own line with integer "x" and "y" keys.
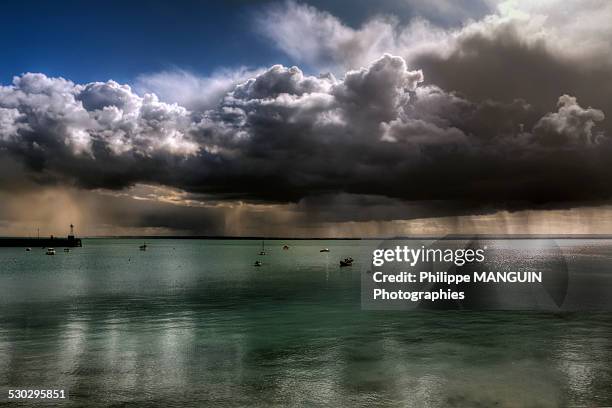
{"x": 193, "y": 323}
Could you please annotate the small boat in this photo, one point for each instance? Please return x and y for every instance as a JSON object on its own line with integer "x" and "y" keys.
{"x": 66, "y": 249}
{"x": 346, "y": 262}
{"x": 263, "y": 249}
{"x": 257, "y": 263}
{"x": 50, "y": 251}
{"x": 285, "y": 247}
{"x": 324, "y": 250}
{"x": 28, "y": 249}
{"x": 143, "y": 247}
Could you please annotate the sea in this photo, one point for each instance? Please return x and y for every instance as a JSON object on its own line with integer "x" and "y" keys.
{"x": 195, "y": 323}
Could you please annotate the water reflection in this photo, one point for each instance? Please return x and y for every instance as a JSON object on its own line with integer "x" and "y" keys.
{"x": 216, "y": 332}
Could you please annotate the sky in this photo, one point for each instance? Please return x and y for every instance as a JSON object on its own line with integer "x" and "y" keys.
{"x": 321, "y": 118}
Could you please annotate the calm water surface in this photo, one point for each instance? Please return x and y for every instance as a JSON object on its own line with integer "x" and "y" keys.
{"x": 193, "y": 323}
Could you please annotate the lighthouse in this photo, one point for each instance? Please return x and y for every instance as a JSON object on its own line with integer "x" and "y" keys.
{"x": 72, "y": 240}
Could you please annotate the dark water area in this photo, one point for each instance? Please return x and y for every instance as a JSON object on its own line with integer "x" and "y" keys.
{"x": 194, "y": 323}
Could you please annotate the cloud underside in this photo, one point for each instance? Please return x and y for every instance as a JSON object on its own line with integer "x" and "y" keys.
{"x": 412, "y": 122}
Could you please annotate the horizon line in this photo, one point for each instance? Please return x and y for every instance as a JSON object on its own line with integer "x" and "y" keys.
{"x": 412, "y": 237}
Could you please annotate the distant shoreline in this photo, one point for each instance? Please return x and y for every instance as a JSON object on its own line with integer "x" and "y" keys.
{"x": 420, "y": 237}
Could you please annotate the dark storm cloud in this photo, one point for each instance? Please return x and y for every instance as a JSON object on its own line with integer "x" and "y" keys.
{"x": 153, "y": 214}
{"x": 500, "y": 123}
{"x": 408, "y": 142}
{"x": 499, "y": 64}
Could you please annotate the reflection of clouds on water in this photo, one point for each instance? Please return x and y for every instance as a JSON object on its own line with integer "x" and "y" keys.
{"x": 582, "y": 356}
{"x": 72, "y": 344}
{"x": 291, "y": 333}
{"x": 6, "y": 353}
{"x": 118, "y": 354}
{"x": 443, "y": 373}
{"x": 313, "y": 380}
{"x": 174, "y": 347}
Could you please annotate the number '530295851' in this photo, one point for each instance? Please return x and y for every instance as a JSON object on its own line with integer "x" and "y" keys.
{"x": 14, "y": 394}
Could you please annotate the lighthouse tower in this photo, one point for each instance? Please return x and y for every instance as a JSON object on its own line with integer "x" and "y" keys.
{"x": 72, "y": 240}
